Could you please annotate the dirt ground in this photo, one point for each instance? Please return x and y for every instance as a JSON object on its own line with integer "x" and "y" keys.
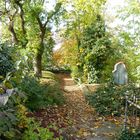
{"x": 76, "y": 119}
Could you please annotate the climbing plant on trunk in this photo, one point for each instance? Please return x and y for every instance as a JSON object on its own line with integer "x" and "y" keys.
{"x": 95, "y": 50}
{"x": 42, "y": 19}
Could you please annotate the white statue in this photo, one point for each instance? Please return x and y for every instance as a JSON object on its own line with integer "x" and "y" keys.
{"x": 4, "y": 97}
{"x": 120, "y": 75}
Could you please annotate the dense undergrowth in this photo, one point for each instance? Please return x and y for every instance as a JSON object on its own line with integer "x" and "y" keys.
{"x": 16, "y": 125}
{"x": 30, "y": 95}
{"x": 39, "y": 96}
{"x": 109, "y": 99}
{"x": 129, "y": 134}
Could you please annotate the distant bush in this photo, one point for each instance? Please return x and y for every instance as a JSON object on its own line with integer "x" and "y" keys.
{"x": 49, "y": 75}
{"x": 56, "y": 69}
{"x": 109, "y": 99}
{"x": 40, "y": 96}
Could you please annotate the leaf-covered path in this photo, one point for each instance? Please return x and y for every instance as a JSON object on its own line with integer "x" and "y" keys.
{"x": 76, "y": 120}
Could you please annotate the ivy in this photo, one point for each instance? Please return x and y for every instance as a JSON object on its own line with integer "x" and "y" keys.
{"x": 94, "y": 50}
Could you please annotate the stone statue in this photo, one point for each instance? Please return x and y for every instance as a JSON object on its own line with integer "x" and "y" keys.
{"x": 120, "y": 75}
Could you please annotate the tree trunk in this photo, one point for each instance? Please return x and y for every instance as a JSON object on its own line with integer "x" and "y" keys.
{"x": 14, "y": 35}
{"x": 38, "y": 65}
{"x": 38, "y": 59}
{"x": 40, "y": 49}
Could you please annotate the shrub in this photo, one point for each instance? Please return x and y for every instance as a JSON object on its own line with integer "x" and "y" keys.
{"x": 129, "y": 134}
{"x": 95, "y": 51}
{"x": 76, "y": 74}
{"x": 8, "y": 117}
{"x": 109, "y": 99}
{"x": 6, "y": 62}
{"x": 15, "y": 125}
{"x": 34, "y": 131}
{"x": 40, "y": 96}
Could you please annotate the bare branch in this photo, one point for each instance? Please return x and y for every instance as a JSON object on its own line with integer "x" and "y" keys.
{"x": 39, "y": 22}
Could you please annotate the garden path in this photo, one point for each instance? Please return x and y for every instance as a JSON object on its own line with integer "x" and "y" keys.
{"x": 76, "y": 120}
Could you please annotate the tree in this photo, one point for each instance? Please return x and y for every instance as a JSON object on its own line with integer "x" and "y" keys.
{"x": 95, "y": 50}
{"x": 29, "y": 23}
{"x": 129, "y": 36}
{"x": 43, "y": 19}
{"x": 66, "y": 55}
{"x": 48, "y": 52}
{"x": 80, "y": 14}
{"x": 12, "y": 11}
